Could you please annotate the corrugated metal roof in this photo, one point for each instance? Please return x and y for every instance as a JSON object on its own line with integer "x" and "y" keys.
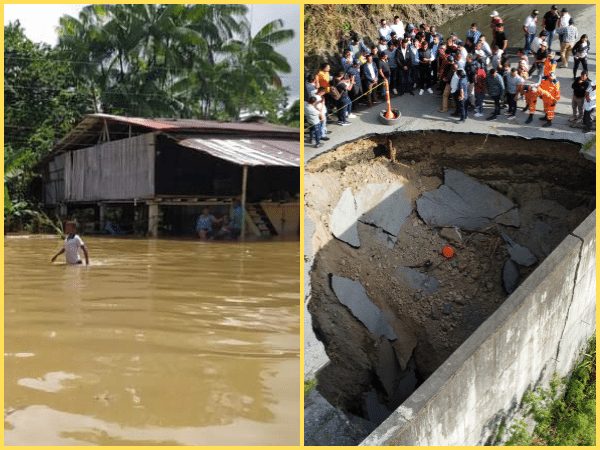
{"x": 249, "y": 152}
{"x": 193, "y": 124}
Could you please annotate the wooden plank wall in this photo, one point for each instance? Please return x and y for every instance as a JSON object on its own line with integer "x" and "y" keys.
{"x": 116, "y": 170}
{"x": 54, "y": 181}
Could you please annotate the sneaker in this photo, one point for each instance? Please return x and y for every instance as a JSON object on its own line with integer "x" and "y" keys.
{"x": 351, "y": 116}
{"x": 572, "y": 119}
{"x": 478, "y": 115}
{"x": 395, "y": 91}
{"x": 507, "y": 113}
{"x": 455, "y": 115}
{"x": 421, "y": 92}
{"x": 461, "y": 121}
{"x": 429, "y": 90}
{"x": 443, "y": 110}
{"x": 512, "y": 116}
{"x": 318, "y": 145}
{"x": 340, "y": 122}
{"x": 345, "y": 124}
{"x": 411, "y": 92}
{"x": 492, "y": 117}
{"x": 325, "y": 138}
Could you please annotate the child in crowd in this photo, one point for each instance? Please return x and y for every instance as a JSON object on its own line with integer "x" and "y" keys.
{"x": 72, "y": 245}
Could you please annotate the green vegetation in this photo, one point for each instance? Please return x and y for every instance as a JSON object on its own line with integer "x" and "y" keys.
{"x": 179, "y": 61}
{"x": 589, "y": 144}
{"x": 568, "y": 419}
{"x": 309, "y": 385}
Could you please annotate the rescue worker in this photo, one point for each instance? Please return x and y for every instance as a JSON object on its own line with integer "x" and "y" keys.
{"x": 549, "y": 90}
{"x": 550, "y": 64}
{"x": 530, "y": 91}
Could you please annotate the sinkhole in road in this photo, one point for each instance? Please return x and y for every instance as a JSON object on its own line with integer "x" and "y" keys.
{"x": 387, "y": 304}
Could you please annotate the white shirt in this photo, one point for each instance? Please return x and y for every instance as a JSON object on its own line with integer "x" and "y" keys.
{"x": 454, "y": 83}
{"x": 398, "y": 28}
{"x": 385, "y": 32}
{"x": 564, "y": 20}
{"x": 72, "y": 246}
{"x": 588, "y": 106}
{"x": 382, "y": 47}
{"x": 371, "y": 71}
{"x": 486, "y": 48}
{"x": 530, "y": 24}
{"x": 535, "y": 44}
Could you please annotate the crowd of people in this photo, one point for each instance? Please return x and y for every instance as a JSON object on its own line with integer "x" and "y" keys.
{"x": 462, "y": 73}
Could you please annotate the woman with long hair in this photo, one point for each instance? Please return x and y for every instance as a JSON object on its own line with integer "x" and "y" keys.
{"x": 580, "y": 52}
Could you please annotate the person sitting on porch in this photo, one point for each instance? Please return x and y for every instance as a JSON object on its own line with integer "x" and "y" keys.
{"x": 204, "y": 224}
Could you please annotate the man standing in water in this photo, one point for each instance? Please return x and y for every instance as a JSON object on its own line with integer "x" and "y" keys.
{"x": 72, "y": 245}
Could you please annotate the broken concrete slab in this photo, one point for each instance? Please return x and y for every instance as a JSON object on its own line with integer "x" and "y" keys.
{"x": 510, "y": 276}
{"x": 415, "y": 280}
{"x": 387, "y": 368}
{"x": 519, "y": 253}
{"x": 451, "y": 235}
{"x": 465, "y": 203}
{"x": 343, "y": 220}
{"x": 385, "y": 206}
{"x": 510, "y": 218}
{"x": 386, "y": 239}
{"x": 352, "y": 294}
{"x": 315, "y": 357}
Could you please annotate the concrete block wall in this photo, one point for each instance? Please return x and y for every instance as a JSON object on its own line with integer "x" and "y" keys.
{"x": 539, "y": 330}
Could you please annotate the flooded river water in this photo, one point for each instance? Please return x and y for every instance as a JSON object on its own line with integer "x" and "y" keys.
{"x": 156, "y": 342}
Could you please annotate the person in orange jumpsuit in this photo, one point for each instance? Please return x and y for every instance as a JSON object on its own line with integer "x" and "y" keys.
{"x": 550, "y": 64}
{"x": 530, "y": 91}
{"x": 549, "y": 90}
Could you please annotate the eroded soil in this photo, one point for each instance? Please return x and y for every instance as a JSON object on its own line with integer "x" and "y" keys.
{"x": 553, "y": 186}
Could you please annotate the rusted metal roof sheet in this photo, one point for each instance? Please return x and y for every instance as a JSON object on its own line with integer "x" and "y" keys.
{"x": 193, "y": 124}
{"x": 249, "y": 152}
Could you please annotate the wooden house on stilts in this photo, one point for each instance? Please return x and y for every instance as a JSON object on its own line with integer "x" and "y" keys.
{"x": 162, "y": 172}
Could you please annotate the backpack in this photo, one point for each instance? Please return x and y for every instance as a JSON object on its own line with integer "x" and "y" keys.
{"x": 334, "y": 92}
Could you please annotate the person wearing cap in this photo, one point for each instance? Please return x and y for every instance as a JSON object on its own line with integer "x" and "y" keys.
{"x": 411, "y": 30}
{"x": 564, "y": 17}
{"x": 530, "y": 91}
{"x": 523, "y": 63}
{"x": 540, "y": 59}
{"x": 494, "y": 24}
{"x": 549, "y": 23}
{"x": 579, "y": 87}
{"x": 569, "y": 37}
{"x": 588, "y": 105}
{"x": 549, "y": 90}
{"x": 530, "y": 28}
{"x": 550, "y": 63}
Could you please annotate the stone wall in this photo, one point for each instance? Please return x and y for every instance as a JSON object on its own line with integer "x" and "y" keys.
{"x": 539, "y": 330}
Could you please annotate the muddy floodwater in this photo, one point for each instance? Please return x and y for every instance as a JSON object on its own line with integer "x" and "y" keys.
{"x": 156, "y": 342}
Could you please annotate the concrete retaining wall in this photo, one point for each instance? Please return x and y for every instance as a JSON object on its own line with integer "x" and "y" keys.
{"x": 539, "y": 330}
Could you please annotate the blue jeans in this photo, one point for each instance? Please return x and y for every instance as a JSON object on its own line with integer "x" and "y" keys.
{"x": 315, "y": 133}
{"x": 549, "y": 38}
{"x": 462, "y": 108}
{"x": 528, "y": 39}
{"x": 479, "y": 98}
{"x": 345, "y": 105}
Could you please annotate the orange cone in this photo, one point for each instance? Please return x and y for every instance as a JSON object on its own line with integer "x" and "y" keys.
{"x": 389, "y": 114}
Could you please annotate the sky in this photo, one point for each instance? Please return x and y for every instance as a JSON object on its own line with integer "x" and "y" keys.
{"x": 41, "y": 22}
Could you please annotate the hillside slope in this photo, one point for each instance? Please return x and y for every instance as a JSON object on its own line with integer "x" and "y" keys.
{"x": 326, "y": 26}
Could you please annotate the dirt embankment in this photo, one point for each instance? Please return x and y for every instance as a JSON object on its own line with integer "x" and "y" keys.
{"x": 328, "y": 27}
{"x": 552, "y": 185}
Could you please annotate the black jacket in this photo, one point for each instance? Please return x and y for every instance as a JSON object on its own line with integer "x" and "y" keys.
{"x": 408, "y": 62}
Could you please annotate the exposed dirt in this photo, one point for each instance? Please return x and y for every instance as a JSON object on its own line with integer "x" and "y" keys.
{"x": 553, "y": 186}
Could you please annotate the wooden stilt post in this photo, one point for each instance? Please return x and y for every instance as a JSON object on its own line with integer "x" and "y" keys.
{"x": 244, "y": 183}
{"x": 153, "y": 220}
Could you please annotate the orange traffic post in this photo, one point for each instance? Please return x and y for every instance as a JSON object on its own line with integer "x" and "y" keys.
{"x": 389, "y": 114}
